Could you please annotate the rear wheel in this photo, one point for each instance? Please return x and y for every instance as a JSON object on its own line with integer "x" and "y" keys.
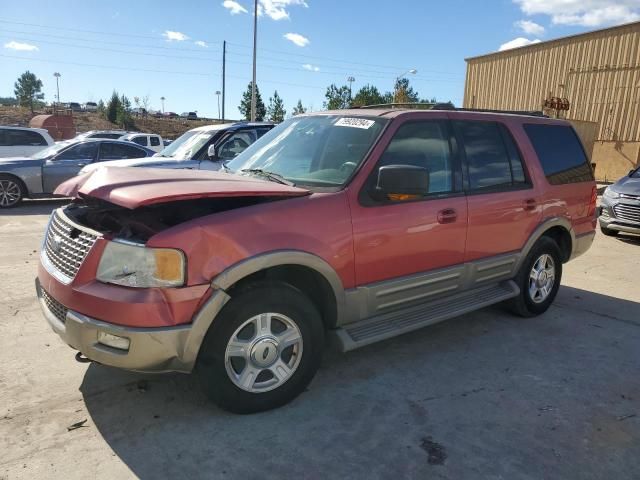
{"x": 607, "y": 232}
{"x": 539, "y": 279}
{"x": 11, "y": 191}
{"x": 262, "y": 350}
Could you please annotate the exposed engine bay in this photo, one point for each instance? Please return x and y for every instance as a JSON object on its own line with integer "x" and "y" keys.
{"x": 140, "y": 224}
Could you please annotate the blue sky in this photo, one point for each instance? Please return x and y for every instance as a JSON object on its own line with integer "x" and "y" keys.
{"x": 174, "y": 49}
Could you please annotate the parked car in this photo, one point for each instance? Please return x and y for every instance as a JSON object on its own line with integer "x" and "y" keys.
{"x": 170, "y": 115}
{"x": 139, "y": 112}
{"x": 23, "y": 141}
{"x": 90, "y": 107}
{"x": 202, "y": 148}
{"x": 166, "y": 142}
{"x": 157, "y": 114}
{"x": 112, "y": 134}
{"x": 359, "y": 224}
{"x": 620, "y": 206}
{"x": 189, "y": 115}
{"x": 40, "y": 174}
{"x": 149, "y": 140}
{"x": 74, "y": 106}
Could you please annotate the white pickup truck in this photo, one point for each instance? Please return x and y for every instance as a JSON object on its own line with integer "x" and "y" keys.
{"x": 149, "y": 140}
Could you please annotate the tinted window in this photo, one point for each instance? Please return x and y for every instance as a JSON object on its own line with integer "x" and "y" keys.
{"x": 261, "y": 131}
{"x": 487, "y": 160}
{"x": 117, "y": 151}
{"x": 111, "y": 136}
{"x": 140, "y": 141}
{"x": 236, "y": 144}
{"x": 560, "y": 153}
{"x": 83, "y": 151}
{"x": 28, "y": 138}
{"x": 155, "y": 141}
{"x": 426, "y": 145}
{"x": 517, "y": 170}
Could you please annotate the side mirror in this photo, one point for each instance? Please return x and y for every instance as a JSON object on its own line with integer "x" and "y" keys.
{"x": 211, "y": 152}
{"x": 402, "y": 182}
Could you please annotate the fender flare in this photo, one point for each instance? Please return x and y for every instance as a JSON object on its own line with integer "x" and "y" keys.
{"x": 540, "y": 231}
{"x": 223, "y": 281}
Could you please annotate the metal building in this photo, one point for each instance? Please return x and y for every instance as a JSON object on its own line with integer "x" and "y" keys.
{"x": 592, "y": 79}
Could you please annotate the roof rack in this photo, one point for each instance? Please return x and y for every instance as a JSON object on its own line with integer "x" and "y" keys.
{"x": 449, "y": 106}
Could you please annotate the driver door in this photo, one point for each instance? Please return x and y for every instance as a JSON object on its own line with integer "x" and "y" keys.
{"x": 67, "y": 164}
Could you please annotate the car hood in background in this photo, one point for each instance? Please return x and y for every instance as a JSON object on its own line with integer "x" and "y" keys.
{"x": 137, "y": 187}
{"x": 628, "y": 185}
{"x": 133, "y": 162}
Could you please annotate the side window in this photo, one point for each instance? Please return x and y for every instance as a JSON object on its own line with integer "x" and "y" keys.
{"x": 560, "y": 153}
{"x": 140, "y": 141}
{"x": 24, "y": 138}
{"x": 261, "y": 131}
{"x": 117, "y": 151}
{"x": 423, "y": 144}
{"x": 155, "y": 141}
{"x": 489, "y": 162}
{"x": 4, "y": 138}
{"x": 84, "y": 151}
{"x": 236, "y": 144}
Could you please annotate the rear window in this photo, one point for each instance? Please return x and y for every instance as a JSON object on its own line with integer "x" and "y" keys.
{"x": 11, "y": 138}
{"x": 560, "y": 153}
{"x": 155, "y": 141}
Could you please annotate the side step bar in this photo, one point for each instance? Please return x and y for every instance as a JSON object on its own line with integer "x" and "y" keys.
{"x": 388, "y": 325}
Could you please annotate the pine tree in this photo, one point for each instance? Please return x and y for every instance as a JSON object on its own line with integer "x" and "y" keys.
{"x": 245, "y": 104}
{"x": 276, "y": 111}
{"x": 337, "y": 97}
{"x": 113, "y": 106}
{"x": 28, "y": 90}
{"x": 299, "y": 109}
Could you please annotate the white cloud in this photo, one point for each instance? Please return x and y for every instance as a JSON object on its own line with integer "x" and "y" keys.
{"x": 234, "y": 7}
{"x": 24, "y": 47}
{"x": 297, "y": 39}
{"x": 529, "y": 27}
{"x": 174, "y": 36}
{"x": 586, "y": 13}
{"x": 516, "y": 43}
{"x": 278, "y": 9}
{"x": 311, "y": 68}
{"x": 200, "y": 43}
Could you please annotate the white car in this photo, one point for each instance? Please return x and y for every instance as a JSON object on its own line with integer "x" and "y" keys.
{"x": 90, "y": 107}
{"x": 23, "y": 141}
{"x": 149, "y": 140}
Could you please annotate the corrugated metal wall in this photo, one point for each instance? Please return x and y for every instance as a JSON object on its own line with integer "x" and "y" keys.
{"x": 598, "y": 72}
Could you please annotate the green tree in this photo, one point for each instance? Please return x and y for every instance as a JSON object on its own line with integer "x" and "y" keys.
{"x": 123, "y": 115}
{"x": 368, "y": 95}
{"x": 404, "y": 93}
{"x": 113, "y": 106}
{"x": 276, "y": 111}
{"x": 245, "y": 104}
{"x": 337, "y": 97}
{"x": 299, "y": 109}
{"x": 28, "y": 90}
{"x": 101, "y": 108}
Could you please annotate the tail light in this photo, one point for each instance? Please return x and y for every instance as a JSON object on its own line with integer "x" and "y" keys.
{"x": 592, "y": 202}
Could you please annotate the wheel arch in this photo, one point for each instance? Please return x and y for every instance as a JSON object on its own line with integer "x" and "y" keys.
{"x": 20, "y": 181}
{"x": 557, "y": 228}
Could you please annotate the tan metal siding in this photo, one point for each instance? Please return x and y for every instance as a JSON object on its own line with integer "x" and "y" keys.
{"x": 598, "y": 72}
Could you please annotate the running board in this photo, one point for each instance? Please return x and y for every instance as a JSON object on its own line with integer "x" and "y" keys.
{"x": 388, "y": 325}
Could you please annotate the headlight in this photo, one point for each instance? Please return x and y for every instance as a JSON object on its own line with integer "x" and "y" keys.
{"x": 610, "y": 193}
{"x": 139, "y": 266}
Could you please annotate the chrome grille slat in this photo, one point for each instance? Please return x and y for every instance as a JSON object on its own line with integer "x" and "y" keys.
{"x": 70, "y": 252}
{"x": 55, "y": 307}
{"x": 630, "y": 213}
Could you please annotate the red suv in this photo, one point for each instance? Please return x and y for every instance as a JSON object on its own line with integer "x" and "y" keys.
{"x": 362, "y": 224}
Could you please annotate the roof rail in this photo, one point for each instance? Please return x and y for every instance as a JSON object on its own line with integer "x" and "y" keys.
{"x": 449, "y": 106}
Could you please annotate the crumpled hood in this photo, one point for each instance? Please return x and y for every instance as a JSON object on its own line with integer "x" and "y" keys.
{"x": 132, "y": 187}
{"x": 628, "y": 185}
{"x": 133, "y": 162}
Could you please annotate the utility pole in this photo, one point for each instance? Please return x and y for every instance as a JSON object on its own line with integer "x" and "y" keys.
{"x": 350, "y": 79}
{"x": 218, "y": 94}
{"x": 255, "y": 40}
{"x": 224, "y": 62}
{"x": 57, "y": 75}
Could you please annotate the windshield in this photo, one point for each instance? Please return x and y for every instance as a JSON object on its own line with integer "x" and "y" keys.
{"x": 187, "y": 145}
{"x": 52, "y": 150}
{"x": 321, "y": 150}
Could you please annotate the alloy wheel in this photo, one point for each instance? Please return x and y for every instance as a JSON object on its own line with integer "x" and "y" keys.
{"x": 10, "y": 193}
{"x": 542, "y": 278}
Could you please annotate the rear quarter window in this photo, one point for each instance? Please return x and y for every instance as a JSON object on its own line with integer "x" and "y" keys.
{"x": 560, "y": 153}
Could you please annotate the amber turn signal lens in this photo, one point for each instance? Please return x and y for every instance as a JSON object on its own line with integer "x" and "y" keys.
{"x": 169, "y": 265}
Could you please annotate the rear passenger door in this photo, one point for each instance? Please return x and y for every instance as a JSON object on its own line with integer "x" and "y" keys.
{"x": 503, "y": 206}
{"x": 119, "y": 151}
{"x": 67, "y": 164}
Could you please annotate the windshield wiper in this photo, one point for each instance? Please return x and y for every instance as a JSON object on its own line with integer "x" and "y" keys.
{"x": 274, "y": 177}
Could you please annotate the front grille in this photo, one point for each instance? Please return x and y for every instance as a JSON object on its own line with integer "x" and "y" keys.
{"x": 630, "y": 213}
{"x": 55, "y": 307}
{"x": 66, "y": 245}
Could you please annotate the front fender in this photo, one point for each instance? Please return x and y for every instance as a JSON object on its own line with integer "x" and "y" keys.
{"x": 31, "y": 175}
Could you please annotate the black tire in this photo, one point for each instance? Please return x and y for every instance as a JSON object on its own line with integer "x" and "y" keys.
{"x": 609, "y": 233}
{"x": 17, "y": 183}
{"x": 262, "y": 297}
{"x": 523, "y": 304}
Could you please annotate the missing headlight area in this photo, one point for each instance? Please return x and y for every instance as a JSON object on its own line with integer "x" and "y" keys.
{"x": 142, "y": 223}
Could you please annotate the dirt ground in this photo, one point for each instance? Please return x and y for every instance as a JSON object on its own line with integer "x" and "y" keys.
{"x": 487, "y": 395}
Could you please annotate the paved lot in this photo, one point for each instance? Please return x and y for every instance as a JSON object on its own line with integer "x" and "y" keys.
{"x": 488, "y": 395}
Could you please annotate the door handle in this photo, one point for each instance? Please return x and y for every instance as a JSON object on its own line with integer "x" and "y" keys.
{"x": 448, "y": 215}
{"x": 530, "y": 204}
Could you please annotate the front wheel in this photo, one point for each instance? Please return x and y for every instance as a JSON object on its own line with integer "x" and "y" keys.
{"x": 539, "y": 279}
{"x": 262, "y": 350}
{"x": 11, "y": 192}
